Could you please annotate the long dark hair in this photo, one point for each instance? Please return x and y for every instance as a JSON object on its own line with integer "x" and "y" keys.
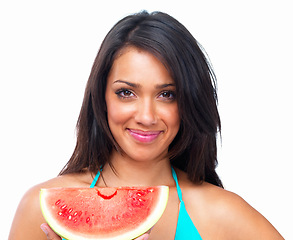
{"x": 194, "y": 148}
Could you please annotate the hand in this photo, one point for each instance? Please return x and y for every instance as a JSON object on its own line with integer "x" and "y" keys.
{"x": 143, "y": 237}
{"x": 51, "y": 235}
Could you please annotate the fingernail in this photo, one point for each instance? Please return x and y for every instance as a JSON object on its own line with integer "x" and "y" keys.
{"x": 44, "y": 228}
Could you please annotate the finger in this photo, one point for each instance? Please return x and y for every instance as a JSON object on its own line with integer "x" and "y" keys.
{"x": 143, "y": 237}
{"x": 51, "y": 235}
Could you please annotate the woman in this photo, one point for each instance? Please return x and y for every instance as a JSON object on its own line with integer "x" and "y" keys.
{"x": 149, "y": 117}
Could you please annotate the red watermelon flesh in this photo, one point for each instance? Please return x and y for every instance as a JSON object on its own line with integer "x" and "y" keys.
{"x": 103, "y": 213}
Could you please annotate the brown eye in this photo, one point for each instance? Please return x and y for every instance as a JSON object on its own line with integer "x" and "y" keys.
{"x": 124, "y": 93}
{"x": 167, "y": 95}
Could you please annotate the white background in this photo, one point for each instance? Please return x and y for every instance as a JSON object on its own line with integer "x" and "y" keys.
{"x": 46, "y": 52}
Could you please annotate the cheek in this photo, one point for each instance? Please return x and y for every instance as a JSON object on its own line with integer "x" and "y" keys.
{"x": 171, "y": 117}
{"x": 118, "y": 113}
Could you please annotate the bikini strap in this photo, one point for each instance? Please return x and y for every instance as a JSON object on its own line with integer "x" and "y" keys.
{"x": 95, "y": 179}
{"x": 177, "y": 184}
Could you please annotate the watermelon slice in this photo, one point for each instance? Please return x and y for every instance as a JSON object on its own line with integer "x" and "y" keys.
{"x": 103, "y": 213}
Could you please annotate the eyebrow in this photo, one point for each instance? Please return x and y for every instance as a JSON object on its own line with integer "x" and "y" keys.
{"x": 135, "y": 85}
{"x": 160, "y": 86}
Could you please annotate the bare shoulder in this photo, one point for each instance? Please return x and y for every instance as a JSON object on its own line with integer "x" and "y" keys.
{"x": 28, "y": 217}
{"x": 229, "y": 214}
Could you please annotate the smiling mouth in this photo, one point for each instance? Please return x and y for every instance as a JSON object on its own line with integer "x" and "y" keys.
{"x": 144, "y": 136}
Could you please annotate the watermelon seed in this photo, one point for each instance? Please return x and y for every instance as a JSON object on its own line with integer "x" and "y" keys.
{"x": 87, "y": 220}
{"x": 70, "y": 210}
{"x": 69, "y": 217}
{"x": 58, "y": 202}
{"x": 63, "y": 206}
{"x": 141, "y": 193}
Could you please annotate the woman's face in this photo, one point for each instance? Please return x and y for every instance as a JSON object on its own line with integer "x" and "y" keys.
{"x": 141, "y": 105}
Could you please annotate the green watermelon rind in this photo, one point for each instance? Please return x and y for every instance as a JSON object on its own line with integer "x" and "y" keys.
{"x": 151, "y": 220}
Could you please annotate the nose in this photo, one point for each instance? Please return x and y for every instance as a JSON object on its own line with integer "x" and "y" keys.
{"x": 146, "y": 112}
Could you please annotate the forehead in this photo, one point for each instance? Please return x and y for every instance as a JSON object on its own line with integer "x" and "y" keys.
{"x": 136, "y": 64}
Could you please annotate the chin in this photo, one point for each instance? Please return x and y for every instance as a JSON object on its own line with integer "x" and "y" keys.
{"x": 145, "y": 156}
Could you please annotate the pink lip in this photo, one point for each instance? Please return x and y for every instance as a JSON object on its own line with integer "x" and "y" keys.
{"x": 144, "y": 136}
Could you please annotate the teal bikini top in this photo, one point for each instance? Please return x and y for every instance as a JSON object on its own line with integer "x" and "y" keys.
{"x": 185, "y": 228}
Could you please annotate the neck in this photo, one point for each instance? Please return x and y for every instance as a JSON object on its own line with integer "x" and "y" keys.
{"x": 128, "y": 172}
